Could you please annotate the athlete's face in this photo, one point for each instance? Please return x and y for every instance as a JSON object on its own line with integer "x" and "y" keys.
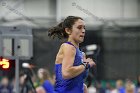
{"x": 78, "y": 31}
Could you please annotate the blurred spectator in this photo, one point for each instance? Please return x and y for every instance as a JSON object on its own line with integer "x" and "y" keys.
{"x": 53, "y": 79}
{"x": 5, "y": 86}
{"x": 99, "y": 88}
{"x": 40, "y": 89}
{"x": 24, "y": 86}
{"x": 138, "y": 84}
{"x": 110, "y": 88}
{"x": 130, "y": 87}
{"x": 13, "y": 84}
{"x": 35, "y": 81}
{"x": 91, "y": 88}
{"x": 45, "y": 80}
{"x": 120, "y": 87}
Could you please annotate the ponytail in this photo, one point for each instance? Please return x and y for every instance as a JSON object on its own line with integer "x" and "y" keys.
{"x": 57, "y": 31}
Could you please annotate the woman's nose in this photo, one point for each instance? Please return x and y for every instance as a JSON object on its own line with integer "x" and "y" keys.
{"x": 83, "y": 31}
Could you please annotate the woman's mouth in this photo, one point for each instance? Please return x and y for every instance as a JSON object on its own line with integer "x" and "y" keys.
{"x": 82, "y": 36}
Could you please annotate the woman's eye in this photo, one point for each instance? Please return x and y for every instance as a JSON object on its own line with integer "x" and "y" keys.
{"x": 81, "y": 27}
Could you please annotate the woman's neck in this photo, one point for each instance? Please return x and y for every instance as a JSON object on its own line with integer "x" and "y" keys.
{"x": 74, "y": 43}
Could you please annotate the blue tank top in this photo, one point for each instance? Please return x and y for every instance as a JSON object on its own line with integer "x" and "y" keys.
{"x": 73, "y": 85}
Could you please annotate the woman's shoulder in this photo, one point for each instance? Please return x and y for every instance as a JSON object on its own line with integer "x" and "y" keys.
{"x": 66, "y": 46}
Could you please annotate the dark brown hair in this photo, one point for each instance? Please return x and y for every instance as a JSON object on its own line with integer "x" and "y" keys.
{"x": 59, "y": 30}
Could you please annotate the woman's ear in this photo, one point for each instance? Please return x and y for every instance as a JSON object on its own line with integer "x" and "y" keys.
{"x": 68, "y": 31}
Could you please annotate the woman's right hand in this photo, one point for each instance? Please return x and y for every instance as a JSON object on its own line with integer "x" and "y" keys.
{"x": 90, "y": 62}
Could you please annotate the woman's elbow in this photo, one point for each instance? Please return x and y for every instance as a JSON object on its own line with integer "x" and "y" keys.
{"x": 65, "y": 75}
